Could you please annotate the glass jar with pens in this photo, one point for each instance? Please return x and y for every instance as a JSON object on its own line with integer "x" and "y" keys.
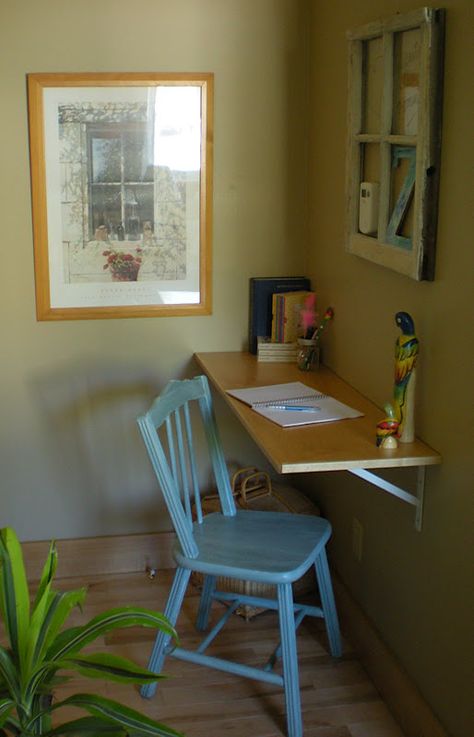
{"x": 308, "y": 355}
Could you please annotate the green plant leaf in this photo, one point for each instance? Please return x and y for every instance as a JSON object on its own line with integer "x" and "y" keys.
{"x": 112, "y": 712}
{"x": 41, "y": 709}
{"x": 38, "y": 683}
{"x": 9, "y": 674}
{"x": 12, "y": 725}
{"x": 14, "y": 594}
{"x": 109, "y": 667}
{"x": 12, "y": 730}
{"x": 59, "y": 606}
{"x": 6, "y": 708}
{"x": 40, "y": 607}
{"x": 95, "y": 665}
{"x": 55, "y": 681}
{"x": 71, "y": 641}
{"x": 47, "y": 576}
{"x": 105, "y": 622}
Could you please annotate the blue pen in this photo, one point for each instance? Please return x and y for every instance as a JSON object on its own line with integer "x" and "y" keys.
{"x": 294, "y": 407}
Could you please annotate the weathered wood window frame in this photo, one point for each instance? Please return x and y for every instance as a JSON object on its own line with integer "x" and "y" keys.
{"x": 382, "y": 139}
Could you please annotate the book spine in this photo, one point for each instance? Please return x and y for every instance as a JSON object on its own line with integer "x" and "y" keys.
{"x": 287, "y": 333}
{"x": 252, "y": 319}
{"x": 274, "y": 317}
{"x": 281, "y": 318}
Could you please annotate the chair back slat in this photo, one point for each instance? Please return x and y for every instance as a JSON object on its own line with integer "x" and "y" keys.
{"x": 168, "y": 432}
{"x": 217, "y": 456}
{"x": 168, "y": 486}
{"x": 171, "y": 452}
{"x": 192, "y": 464}
{"x": 183, "y": 451}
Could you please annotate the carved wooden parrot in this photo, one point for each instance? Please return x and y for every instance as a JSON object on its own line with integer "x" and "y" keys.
{"x": 406, "y": 352}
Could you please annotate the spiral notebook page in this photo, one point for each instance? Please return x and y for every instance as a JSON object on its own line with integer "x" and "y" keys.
{"x": 293, "y": 404}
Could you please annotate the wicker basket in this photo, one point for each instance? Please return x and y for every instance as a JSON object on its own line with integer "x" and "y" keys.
{"x": 253, "y": 489}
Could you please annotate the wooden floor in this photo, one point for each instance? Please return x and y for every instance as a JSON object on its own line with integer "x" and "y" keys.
{"x": 338, "y": 699}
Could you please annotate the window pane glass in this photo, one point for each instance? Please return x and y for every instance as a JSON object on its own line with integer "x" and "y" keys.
{"x": 105, "y": 154}
{"x": 145, "y": 207}
{"x": 105, "y": 209}
{"x": 370, "y": 162}
{"x": 372, "y": 74}
{"x": 369, "y": 189}
{"x": 406, "y": 82}
{"x": 138, "y": 160}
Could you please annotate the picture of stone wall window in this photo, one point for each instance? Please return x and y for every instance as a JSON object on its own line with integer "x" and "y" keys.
{"x": 126, "y": 172}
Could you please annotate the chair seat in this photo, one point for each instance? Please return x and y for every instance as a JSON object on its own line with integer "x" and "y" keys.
{"x": 270, "y": 547}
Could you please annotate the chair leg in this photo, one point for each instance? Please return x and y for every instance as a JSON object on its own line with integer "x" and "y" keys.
{"x": 328, "y": 604}
{"x": 205, "y": 603}
{"x": 173, "y": 607}
{"x": 289, "y": 660}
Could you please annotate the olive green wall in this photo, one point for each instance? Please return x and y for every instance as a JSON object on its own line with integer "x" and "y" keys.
{"x": 72, "y": 462}
{"x": 417, "y": 587}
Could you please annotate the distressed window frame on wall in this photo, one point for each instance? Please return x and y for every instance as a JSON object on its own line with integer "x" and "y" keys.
{"x": 397, "y": 227}
{"x": 121, "y": 174}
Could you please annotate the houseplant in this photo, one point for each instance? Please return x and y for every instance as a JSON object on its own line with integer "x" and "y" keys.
{"x": 40, "y": 646}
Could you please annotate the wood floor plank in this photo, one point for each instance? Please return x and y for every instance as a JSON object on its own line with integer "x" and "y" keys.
{"x": 338, "y": 699}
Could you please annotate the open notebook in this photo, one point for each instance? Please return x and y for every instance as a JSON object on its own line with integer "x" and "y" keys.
{"x": 293, "y": 404}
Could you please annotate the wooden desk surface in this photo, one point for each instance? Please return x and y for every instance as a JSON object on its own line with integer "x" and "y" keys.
{"x": 331, "y": 446}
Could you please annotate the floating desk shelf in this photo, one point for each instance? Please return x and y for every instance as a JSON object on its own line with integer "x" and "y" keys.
{"x": 348, "y": 445}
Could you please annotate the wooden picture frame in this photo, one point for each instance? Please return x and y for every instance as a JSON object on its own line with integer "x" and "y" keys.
{"x": 121, "y": 173}
{"x": 394, "y": 140}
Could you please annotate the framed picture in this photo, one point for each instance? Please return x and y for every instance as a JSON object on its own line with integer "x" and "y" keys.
{"x": 121, "y": 170}
{"x": 394, "y": 141}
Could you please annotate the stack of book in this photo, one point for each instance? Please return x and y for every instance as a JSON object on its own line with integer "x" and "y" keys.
{"x": 286, "y": 309}
{"x": 270, "y": 351}
{"x": 262, "y": 288}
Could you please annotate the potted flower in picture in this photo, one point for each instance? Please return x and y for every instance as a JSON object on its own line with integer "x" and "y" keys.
{"x": 123, "y": 266}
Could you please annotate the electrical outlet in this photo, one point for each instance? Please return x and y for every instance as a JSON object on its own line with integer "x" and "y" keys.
{"x": 357, "y": 539}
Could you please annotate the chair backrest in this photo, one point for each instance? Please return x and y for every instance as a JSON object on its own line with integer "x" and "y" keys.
{"x": 168, "y": 429}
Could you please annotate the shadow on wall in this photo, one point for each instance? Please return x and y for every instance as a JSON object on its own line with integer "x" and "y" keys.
{"x": 96, "y": 456}
{"x": 102, "y": 476}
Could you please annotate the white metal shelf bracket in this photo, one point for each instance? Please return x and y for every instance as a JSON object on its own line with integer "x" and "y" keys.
{"x": 415, "y": 499}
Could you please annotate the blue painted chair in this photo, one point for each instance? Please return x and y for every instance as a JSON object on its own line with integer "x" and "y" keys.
{"x": 264, "y": 547}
